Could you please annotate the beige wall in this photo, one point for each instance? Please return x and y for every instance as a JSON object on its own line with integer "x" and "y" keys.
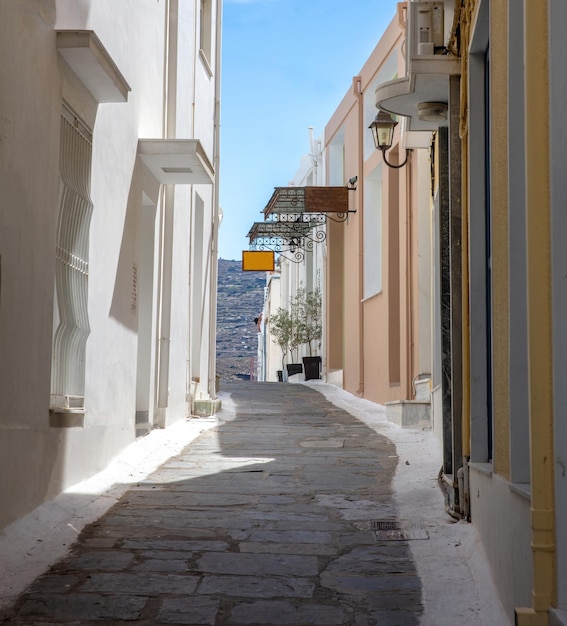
{"x": 352, "y": 295}
{"x": 374, "y": 339}
{"x": 334, "y": 298}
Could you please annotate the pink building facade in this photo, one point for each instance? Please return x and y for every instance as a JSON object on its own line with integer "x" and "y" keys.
{"x": 378, "y": 280}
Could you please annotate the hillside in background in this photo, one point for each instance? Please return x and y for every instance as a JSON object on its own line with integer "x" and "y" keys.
{"x": 240, "y": 301}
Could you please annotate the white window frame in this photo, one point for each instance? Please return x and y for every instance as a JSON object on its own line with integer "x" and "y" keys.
{"x": 373, "y": 211}
{"x": 206, "y": 30}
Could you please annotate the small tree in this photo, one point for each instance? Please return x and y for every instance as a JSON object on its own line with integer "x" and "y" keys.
{"x": 281, "y": 329}
{"x": 307, "y": 306}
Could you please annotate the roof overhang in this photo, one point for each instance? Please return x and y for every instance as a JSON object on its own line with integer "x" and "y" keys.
{"x": 90, "y": 61}
{"x": 176, "y": 161}
{"x": 422, "y": 96}
{"x": 293, "y": 200}
{"x": 287, "y": 231}
{"x": 295, "y": 218}
{"x": 405, "y": 95}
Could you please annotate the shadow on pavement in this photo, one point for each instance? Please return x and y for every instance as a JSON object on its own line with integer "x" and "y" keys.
{"x": 267, "y": 518}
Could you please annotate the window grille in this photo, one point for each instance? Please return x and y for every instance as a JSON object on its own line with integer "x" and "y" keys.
{"x": 71, "y": 323}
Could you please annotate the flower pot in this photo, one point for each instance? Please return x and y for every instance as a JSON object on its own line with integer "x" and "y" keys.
{"x": 294, "y": 368}
{"x": 312, "y": 367}
{"x": 280, "y": 376}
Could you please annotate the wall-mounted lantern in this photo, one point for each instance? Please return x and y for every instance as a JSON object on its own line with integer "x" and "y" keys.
{"x": 383, "y": 133}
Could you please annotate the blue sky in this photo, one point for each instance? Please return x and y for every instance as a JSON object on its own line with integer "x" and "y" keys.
{"x": 286, "y": 66}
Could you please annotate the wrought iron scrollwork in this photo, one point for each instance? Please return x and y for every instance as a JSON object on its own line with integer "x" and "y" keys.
{"x": 339, "y": 217}
{"x": 295, "y": 219}
{"x": 295, "y": 255}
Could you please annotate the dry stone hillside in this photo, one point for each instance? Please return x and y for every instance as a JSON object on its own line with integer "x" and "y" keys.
{"x": 240, "y": 301}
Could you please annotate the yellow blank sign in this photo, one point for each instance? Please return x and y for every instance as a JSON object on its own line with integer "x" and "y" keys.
{"x": 258, "y": 261}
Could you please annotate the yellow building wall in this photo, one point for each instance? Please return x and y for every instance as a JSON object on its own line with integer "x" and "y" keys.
{"x": 500, "y": 248}
{"x": 540, "y": 344}
{"x": 538, "y": 290}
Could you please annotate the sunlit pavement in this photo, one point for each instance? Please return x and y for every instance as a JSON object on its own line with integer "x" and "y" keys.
{"x": 269, "y": 517}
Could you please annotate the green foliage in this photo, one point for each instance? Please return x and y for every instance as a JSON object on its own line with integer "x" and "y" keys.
{"x": 301, "y": 324}
{"x": 307, "y": 309}
{"x": 284, "y": 332}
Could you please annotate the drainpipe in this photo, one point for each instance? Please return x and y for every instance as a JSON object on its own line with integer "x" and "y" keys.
{"x": 313, "y": 154}
{"x": 540, "y": 344}
{"x": 166, "y": 289}
{"x": 190, "y": 339}
{"x": 409, "y": 284}
{"x": 465, "y": 324}
{"x": 167, "y": 209}
{"x": 216, "y": 207}
{"x": 357, "y": 88}
{"x": 265, "y": 350}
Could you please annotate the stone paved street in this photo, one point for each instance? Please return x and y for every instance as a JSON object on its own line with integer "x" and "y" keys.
{"x": 268, "y": 518}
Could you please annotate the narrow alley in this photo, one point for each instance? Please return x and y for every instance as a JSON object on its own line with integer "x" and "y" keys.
{"x": 286, "y": 512}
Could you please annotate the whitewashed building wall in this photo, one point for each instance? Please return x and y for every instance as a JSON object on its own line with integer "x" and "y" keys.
{"x": 106, "y": 303}
{"x": 309, "y": 272}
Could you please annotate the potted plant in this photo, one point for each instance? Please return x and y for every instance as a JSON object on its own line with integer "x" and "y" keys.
{"x": 284, "y": 333}
{"x": 308, "y": 308}
{"x": 296, "y": 340}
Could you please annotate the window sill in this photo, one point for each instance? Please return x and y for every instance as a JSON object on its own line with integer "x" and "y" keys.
{"x": 522, "y": 489}
{"x": 482, "y": 468}
{"x": 558, "y": 617}
{"x": 205, "y": 62}
{"x": 66, "y": 418}
{"x": 371, "y": 296}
